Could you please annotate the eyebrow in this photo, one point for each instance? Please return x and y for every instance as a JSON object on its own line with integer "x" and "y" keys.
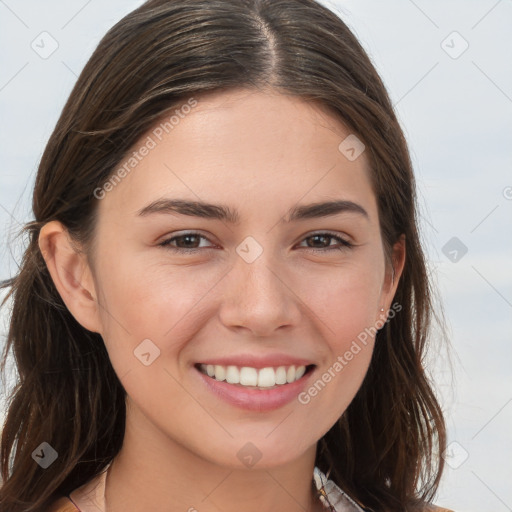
{"x": 224, "y": 213}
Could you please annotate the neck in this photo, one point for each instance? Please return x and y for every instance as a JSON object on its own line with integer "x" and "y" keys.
{"x": 154, "y": 472}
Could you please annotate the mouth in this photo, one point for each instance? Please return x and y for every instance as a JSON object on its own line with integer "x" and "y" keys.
{"x": 248, "y": 377}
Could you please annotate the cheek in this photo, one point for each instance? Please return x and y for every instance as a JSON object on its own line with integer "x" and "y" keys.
{"x": 145, "y": 300}
{"x": 169, "y": 305}
{"x": 345, "y": 299}
{"x": 346, "y": 304}
{"x": 157, "y": 302}
{"x": 348, "y": 333}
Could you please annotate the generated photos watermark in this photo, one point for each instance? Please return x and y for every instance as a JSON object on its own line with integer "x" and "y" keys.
{"x": 343, "y": 360}
{"x": 149, "y": 143}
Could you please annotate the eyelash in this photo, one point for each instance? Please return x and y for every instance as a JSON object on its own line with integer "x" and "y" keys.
{"x": 344, "y": 244}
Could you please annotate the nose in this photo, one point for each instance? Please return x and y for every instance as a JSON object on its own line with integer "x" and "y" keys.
{"x": 258, "y": 298}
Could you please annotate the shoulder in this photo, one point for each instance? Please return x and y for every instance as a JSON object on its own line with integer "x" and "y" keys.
{"x": 62, "y": 505}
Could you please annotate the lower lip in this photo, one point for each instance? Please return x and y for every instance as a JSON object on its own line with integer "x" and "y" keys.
{"x": 256, "y": 399}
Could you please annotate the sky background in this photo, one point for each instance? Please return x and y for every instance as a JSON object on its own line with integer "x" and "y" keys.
{"x": 447, "y": 68}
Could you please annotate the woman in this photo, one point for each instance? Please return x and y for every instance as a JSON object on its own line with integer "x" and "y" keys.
{"x": 224, "y": 302}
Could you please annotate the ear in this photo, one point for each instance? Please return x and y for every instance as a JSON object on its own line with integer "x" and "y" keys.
{"x": 71, "y": 274}
{"x": 393, "y": 274}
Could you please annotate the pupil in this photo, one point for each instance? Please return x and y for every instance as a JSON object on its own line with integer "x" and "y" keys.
{"x": 187, "y": 238}
{"x": 319, "y": 236}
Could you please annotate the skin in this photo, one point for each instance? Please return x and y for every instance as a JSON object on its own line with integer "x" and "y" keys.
{"x": 260, "y": 153}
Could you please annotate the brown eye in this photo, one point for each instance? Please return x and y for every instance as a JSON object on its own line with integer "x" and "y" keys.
{"x": 322, "y": 242}
{"x": 187, "y": 242}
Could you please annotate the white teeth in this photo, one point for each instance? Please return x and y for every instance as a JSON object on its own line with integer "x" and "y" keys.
{"x": 266, "y": 378}
{"x": 232, "y": 375}
{"x": 220, "y": 372}
{"x": 247, "y": 376}
{"x": 281, "y": 375}
{"x": 299, "y": 372}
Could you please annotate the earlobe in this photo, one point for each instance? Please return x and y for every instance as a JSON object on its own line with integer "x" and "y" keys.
{"x": 394, "y": 273}
{"x": 398, "y": 261}
{"x": 71, "y": 274}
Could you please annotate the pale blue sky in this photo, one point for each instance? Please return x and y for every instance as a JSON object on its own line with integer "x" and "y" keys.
{"x": 447, "y": 68}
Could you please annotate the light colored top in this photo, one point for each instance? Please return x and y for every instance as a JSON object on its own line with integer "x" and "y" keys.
{"x": 90, "y": 497}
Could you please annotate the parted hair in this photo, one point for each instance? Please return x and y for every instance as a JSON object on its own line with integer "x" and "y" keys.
{"x": 385, "y": 449}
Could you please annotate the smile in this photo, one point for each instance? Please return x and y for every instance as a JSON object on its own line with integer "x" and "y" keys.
{"x": 262, "y": 378}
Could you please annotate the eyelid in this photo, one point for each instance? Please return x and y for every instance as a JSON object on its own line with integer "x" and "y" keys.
{"x": 166, "y": 243}
{"x": 344, "y": 244}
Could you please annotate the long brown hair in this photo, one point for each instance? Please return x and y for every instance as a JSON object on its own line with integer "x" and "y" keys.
{"x": 385, "y": 449}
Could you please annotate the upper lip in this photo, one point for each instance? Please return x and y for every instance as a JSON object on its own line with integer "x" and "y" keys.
{"x": 254, "y": 361}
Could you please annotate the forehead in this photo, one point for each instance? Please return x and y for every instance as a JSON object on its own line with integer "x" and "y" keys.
{"x": 242, "y": 147}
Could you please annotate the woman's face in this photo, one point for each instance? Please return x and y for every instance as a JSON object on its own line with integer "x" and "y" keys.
{"x": 256, "y": 279}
